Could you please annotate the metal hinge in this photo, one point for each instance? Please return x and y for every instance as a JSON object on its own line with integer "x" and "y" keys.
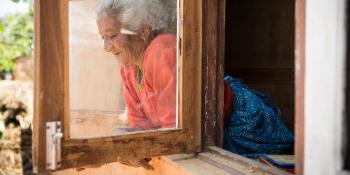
{"x": 53, "y": 145}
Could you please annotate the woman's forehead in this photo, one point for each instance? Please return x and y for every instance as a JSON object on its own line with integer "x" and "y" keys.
{"x": 108, "y": 23}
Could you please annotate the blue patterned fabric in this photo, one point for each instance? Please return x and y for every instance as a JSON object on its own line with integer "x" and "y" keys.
{"x": 254, "y": 126}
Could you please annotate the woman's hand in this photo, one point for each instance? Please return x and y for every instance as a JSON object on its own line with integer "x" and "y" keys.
{"x": 140, "y": 163}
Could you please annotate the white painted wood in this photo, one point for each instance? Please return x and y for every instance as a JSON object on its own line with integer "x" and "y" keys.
{"x": 324, "y": 86}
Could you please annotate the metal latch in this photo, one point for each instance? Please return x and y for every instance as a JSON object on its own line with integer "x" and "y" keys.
{"x": 53, "y": 145}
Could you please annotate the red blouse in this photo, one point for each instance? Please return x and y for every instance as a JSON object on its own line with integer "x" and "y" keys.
{"x": 154, "y": 106}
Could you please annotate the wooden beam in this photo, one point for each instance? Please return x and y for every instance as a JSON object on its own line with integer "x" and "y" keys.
{"x": 49, "y": 74}
{"x": 220, "y": 72}
{"x": 213, "y": 72}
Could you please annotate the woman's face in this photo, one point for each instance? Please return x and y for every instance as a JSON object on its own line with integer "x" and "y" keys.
{"x": 127, "y": 49}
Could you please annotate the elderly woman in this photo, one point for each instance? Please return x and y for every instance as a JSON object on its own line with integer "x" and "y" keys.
{"x": 132, "y": 32}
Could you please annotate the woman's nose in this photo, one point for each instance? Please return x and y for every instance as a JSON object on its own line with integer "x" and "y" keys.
{"x": 107, "y": 45}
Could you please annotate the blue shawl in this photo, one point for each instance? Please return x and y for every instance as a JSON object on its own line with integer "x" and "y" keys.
{"x": 254, "y": 126}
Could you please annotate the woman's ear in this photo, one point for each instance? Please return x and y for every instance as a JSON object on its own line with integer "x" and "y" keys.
{"x": 145, "y": 32}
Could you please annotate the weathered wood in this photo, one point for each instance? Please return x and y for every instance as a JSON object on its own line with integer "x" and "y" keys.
{"x": 49, "y": 74}
{"x": 237, "y": 164}
{"x": 37, "y": 142}
{"x": 163, "y": 166}
{"x": 190, "y": 84}
{"x": 299, "y": 84}
{"x": 213, "y": 72}
{"x": 220, "y": 73}
{"x": 209, "y": 79}
{"x": 213, "y": 161}
{"x": 52, "y": 94}
{"x": 64, "y": 24}
{"x": 82, "y": 152}
{"x": 184, "y": 164}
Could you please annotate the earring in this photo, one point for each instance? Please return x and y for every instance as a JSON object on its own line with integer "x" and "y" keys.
{"x": 144, "y": 39}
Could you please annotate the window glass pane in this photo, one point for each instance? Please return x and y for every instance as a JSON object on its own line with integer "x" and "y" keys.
{"x": 122, "y": 66}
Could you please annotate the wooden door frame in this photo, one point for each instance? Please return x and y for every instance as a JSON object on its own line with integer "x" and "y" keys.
{"x": 213, "y": 73}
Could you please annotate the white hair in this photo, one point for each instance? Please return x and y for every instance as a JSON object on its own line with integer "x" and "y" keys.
{"x": 134, "y": 13}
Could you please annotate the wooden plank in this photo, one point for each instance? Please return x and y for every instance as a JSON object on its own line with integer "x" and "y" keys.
{"x": 237, "y": 164}
{"x": 49, "y": 74}
{"x": 213, "y": 161}
{"x": 190, "y": 84}
{"x": 300, "y": 16}
{"x": 184, "y": 164}
{"x": 210, "y": 62}
{"x": 82, "y": 152}
{"x": 37, "y": 143}
{"x": 65, "y": 40}
{"x": 196, "y": 166}
{"x": 220, "y": 73}
{"x": 213, "y": 72}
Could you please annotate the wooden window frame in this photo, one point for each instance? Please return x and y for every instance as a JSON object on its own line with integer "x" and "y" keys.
{"x": 51, "y": 98}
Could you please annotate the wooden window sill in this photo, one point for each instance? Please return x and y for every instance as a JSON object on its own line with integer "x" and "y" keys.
{"x": 212, "y": 161}
{"x": 218, "y": 161}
